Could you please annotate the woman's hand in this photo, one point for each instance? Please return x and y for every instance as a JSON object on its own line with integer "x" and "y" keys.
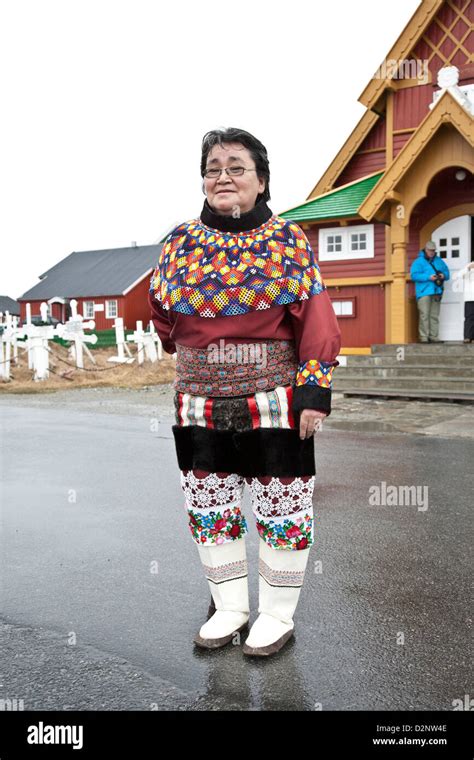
{"x": 309, "y": 422}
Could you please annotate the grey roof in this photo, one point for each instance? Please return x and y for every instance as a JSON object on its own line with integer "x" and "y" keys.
{"x": 95, "y": 273}
{"x": 7, "y": 303}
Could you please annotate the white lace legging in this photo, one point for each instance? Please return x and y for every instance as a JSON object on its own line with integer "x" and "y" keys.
{"x": 283, "y": 508}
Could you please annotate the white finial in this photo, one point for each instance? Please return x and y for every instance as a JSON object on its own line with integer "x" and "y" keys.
{"x": 448, "y": 76}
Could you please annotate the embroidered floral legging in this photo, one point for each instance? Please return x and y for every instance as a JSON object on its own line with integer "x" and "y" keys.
{"x": 283, "y": 508}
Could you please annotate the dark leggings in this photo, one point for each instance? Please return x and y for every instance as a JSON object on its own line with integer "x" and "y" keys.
{"x": 469, "y": 320}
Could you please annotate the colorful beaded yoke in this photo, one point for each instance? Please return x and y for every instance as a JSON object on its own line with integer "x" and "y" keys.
{"x": 206, "y": 272}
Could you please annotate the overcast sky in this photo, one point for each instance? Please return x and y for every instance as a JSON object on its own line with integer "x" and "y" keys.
{"x": 105, "y": 103}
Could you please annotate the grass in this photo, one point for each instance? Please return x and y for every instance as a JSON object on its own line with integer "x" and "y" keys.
{"x": 64, "y": 374}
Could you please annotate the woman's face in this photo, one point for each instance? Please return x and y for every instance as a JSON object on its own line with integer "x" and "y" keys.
{"x": 226, "y": 194}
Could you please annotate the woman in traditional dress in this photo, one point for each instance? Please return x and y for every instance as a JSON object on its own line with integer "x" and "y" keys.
{"x": 238, "y": 296}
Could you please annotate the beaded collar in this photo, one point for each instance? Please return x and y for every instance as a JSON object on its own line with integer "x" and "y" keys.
{"x": 206, "y": 271}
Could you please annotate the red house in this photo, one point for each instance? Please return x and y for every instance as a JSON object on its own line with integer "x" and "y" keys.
{"x": 106, "y": 284}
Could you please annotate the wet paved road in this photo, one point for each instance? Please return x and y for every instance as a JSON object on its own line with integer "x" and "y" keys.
{"x": 92, "y": 504}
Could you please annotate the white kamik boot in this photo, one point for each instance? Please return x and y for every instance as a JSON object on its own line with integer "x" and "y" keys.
{"x": 281, "y": 576}
{"x": 226, "y": 570}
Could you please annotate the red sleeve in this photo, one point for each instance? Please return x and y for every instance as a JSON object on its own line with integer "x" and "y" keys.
{"x": 318, "y": 343}
{"x": 162, "y": 323}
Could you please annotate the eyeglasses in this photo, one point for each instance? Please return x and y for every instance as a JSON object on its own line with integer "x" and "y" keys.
{"x": 231, "y": 171}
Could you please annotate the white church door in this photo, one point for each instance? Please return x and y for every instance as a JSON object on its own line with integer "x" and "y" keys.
{"x": 453, "y": 241}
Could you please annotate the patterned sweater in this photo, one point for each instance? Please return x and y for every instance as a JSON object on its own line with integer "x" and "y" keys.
{"x": 254, "y": 277}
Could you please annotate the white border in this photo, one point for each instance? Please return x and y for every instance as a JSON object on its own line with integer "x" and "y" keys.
{"x": 345, "y": 232}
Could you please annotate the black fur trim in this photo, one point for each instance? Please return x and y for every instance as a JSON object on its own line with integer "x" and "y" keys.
{"x": 184, "y": 446}
{"x": 204, "y": 448}
{"x": 311, "y": 397}
{"x": 277, "y": 452}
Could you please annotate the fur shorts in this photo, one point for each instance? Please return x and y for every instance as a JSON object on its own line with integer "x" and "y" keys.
{"x": 253, "y": 435}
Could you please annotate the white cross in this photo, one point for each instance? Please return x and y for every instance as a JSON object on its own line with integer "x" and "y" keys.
{"x": 73, "y": 330}
{"x": 121, "y": 344}
{"x": 8, "y": 339}
{"x": 147, "y": 343}
{"x": 156, "y": 339}
{"x": 37, "y": 345}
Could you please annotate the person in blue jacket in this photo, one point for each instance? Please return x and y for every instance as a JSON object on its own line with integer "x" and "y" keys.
{"x": 429, "y": 273}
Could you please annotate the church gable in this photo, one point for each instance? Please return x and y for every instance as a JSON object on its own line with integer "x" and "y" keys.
{"x": 439, "y": 35}
{"x": 369, "y": 158}
{"x": 402, "y": 177}
{"x": 448, "y": 38}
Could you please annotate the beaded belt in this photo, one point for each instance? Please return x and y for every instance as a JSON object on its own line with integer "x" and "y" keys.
{"x": 232, "y": 369}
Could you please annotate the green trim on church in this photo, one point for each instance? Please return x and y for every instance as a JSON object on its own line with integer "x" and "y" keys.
{"x": 341, "y": 202}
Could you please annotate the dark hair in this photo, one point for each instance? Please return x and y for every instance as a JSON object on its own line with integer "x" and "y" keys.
{"x": 257, "y": 150}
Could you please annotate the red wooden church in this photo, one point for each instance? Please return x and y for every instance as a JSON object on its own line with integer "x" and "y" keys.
{"x": 403, "y": 177}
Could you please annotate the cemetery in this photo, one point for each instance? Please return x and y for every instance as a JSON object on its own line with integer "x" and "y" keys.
{"x": 44, "y": 355}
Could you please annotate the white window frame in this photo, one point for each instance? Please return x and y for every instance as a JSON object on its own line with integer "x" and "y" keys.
{"x": 346, "y": 253}
{"x": 108, "y": 315}
{"x": 340, "y": 307}
{"x": 86, "y": 311}
{"x": 330, "y": 239}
